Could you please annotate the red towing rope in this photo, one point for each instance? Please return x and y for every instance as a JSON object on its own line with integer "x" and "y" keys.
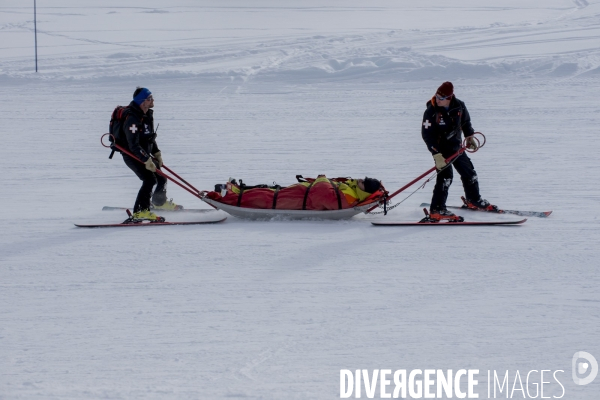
{"x": 190, "y": 188}
{"x": 462, "y": 149}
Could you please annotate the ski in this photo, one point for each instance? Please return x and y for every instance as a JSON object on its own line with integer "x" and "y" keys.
{"x": 193, "y": 210}
{"x": 474, "y": 223}
{"x": 541, "y": 214}
{"x": 148, "y": 223}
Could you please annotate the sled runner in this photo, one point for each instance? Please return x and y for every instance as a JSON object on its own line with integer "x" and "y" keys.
{"x": 258, "y": 213}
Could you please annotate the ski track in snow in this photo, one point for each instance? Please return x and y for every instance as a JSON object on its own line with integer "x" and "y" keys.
{"x": 560, "y": 38}
{"x": 274, "y": 309}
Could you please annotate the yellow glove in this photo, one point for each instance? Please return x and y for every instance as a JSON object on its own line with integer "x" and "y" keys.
{"x": 150, "y": 166}
{"x": 472, "y": 143}
{"x": 158, "y": 157}
{"x": 440, "y": 161}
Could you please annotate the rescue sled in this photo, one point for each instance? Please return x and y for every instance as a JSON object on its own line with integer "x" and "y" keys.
{"x": 320, "y": 198}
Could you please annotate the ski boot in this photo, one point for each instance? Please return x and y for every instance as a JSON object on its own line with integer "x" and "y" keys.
{"x": 481, "y": 204}
{"x": 140, "y": 216}
{"x": 442, "y": 214}
{"x": 167, "y": 206}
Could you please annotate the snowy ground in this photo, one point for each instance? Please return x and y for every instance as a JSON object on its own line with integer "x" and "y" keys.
{"x": 263, "y": 91}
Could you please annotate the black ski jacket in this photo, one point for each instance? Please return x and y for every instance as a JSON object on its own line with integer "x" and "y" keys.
{"x": 139, "y": 129}
{"x": 441, "y": 129}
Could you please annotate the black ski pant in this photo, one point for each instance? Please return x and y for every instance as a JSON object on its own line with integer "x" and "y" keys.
{"x": 467, "y": 173}
{"x": 149, "y": 179}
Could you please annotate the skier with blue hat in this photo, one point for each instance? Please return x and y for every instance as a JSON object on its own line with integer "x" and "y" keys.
{"x": 141, "y": 142}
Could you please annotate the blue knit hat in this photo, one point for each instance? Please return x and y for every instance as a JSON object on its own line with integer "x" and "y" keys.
{"x": 142, "y": 96}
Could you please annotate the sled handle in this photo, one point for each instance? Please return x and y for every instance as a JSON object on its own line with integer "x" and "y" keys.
{"x": 423, "y": 175}
{"x": 195, "y": 191}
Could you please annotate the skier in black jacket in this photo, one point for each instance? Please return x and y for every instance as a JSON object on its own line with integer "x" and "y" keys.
{"x": 141, "y": 142}
{"x": 445, "y": 118}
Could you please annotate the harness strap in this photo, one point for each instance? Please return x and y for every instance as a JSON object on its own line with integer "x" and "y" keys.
{"x": 337, "y": 192}
{"x": 445, "y": 115}
{"x": 306, "y": 194}
{"x": 275, "y": 197}
{"x": 240, "y": 195}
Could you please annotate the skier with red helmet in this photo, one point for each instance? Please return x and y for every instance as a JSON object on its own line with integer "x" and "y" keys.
{"x": 444, "y": 120}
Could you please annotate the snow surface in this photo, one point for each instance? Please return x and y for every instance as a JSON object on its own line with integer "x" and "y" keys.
{"x": 264, "y": 90}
